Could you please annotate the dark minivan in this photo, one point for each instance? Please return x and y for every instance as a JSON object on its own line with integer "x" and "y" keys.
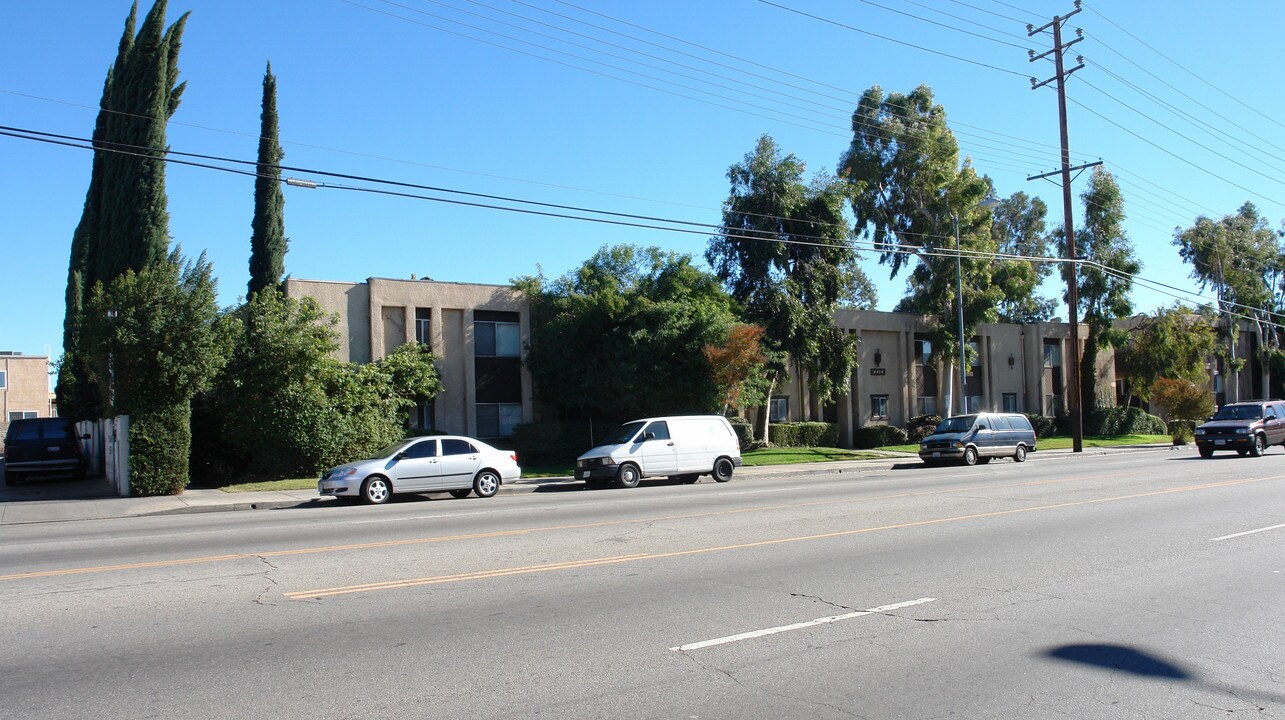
{"x": 977, "y": 438}
{"x": 41, "y": 446}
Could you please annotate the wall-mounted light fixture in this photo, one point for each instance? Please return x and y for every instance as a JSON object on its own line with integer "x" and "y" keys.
{"x": 878, "y": 357}
{"x": 1011, "y": 360}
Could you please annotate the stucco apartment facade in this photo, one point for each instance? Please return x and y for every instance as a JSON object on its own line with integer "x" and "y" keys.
{"x": 24, "y": 387}
{"x": 477, "y": 332}
{"x": 480, "y": 332}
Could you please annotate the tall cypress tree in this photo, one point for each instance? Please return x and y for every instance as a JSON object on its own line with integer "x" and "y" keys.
{"x": 75, "y": 393}
{"x": 268, "y": 237}
{"x": 124, "y": 224}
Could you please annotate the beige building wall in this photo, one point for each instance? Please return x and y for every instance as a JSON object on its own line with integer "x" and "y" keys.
{"x": 379, "y": 315}
{"x": 25, "y": 391}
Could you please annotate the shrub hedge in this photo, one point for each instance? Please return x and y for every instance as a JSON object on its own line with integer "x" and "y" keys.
{"x": 160, "y": 441}
{"x": 556, "y": 441}
{"x": 744, "y": 432}
{"x": 1123, "y": 421}
{"x": 1044, "y": 425}
{"x": 873, "y": 436}
{"x": 921, "y": 426}
{"x": 804, "y": 434}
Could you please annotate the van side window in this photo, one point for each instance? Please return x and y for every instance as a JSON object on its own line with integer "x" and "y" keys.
{"x": 1020, "y": 422}
{"x": 999, "y": 422}
{"x": 660, "y": 429}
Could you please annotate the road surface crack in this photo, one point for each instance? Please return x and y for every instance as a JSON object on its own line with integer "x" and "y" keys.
{"x": 272, "y": 582}
{"x": 823, "y": 601}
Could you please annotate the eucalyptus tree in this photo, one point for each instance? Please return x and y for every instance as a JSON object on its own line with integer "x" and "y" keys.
{"x": 786, "y": 255}
{"x": 1240, "y": 257}
{"x": 1104, "y": 280}
{"x": 912, "y": 196}
{"x": 1018, "y": 229}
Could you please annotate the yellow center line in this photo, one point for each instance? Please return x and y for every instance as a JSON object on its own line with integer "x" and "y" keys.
{"x": 178, "y": 562}
{"x": 590, "y": 562}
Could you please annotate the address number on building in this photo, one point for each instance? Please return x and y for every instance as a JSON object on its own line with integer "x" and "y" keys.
{"x": 878, "y": 371}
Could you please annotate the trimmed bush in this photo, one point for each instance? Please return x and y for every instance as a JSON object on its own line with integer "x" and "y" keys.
{"x": 921, "y": 426}
{"x": 744, "y": 432}
{"x": 1182, "y": 431}
{"x": 553, "y": 442}
{"x": 160, "y": 441}
{"x": 873, "y": 436}
{"x": 1044, "y": 425}
{"x": 1123, "y": 421}
{"x": 804, "y": 434}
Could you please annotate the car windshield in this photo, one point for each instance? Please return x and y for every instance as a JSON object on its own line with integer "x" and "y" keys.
{"x": 623, "y": 434}
{"x": 1239, "y": 412}
{"x": 388, "y": 451}
{"x": 956, "y": 424}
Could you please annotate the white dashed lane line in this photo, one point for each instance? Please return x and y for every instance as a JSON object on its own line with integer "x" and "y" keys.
{"x": 799, "y": 626}
{"x": 1247, "y": 532}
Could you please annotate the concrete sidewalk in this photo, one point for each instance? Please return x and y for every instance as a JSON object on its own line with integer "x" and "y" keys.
{"x": 91, "y": 500}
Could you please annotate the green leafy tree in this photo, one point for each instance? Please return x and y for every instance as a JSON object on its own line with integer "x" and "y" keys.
{"x": 1185, "y": 402}
{"x": 268, "y": 240}
{"x": 1240, "y": 258}
{"x": 284, "y": 406}
{"x": 1018, "y": 228}
{"x": 1173, "y": 343}
{"x": 160, "y": 348}
{"x": 623, "y": 335}
{"x": 913, "y": 197}
{"x": 785, "y": 254}
{"x": 1104, "y": 282}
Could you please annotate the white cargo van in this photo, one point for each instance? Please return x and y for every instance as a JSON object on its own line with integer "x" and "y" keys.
{"x": 683, "y": 447}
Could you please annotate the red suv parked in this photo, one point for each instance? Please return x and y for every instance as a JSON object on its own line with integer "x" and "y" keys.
{"x": 1249, "y": 428}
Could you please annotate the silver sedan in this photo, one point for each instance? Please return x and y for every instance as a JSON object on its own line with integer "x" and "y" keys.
{"x": 447, "y": 463}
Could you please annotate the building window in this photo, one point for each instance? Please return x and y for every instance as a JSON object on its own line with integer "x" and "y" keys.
{"x": 925, "y": 405}
{"x": 973, "y": 403}
{"x": 424, "y": 416}
{"x": 1010, "y": 402}
{"x": 878, "y": 407}
{"x": 496, "y": 339}
{"x": 3, "y": 380}
{"x": 21, "y": 414}
{"x": 424, "y": 326}
{"x": 496, "y": 420}
{"x": 779, "y": 409}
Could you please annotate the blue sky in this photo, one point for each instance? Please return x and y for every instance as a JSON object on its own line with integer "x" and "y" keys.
{"x": 581, "y": 103}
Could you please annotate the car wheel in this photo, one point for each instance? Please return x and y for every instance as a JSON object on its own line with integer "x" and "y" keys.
{"x": 486, "y": 484}
{"x": 1019, "y": 455}
{"x": 628, "y": 477}
{"x": 970, "y": 456}
{"x": 1259, "y": 446}
{"x": 1208, "y": 452}
{"x": 461, "y": 493}
{"x": 722, "y": 470}
{"x": 376, "y": 490}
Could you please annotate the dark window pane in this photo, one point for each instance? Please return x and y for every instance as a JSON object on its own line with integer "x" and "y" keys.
{"x": 422, "y": 449}
{"x": 484, "y": 339}
{"x": 488, "y": 421}
{"x": 457, "y": 447}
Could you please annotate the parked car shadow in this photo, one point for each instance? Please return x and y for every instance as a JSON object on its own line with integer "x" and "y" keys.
{"x": 576, "y": 486}
{"x": 56, "y": 487}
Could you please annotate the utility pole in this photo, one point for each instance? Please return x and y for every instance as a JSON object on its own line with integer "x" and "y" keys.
{"x": 1072, "y": 280}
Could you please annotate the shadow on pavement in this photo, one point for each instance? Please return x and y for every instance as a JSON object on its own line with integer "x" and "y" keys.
{"x": 56, "y": 488}
{"x": 1119, "y": 657}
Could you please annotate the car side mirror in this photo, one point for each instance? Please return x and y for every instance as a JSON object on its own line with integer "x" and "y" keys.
{"x": 400, "y": 456}
{"x": 86, "y": 436}
{"x": 981, "y": 427}
{"x": 649, "y": 436}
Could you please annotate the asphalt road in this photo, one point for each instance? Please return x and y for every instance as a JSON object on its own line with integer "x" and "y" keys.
{"x": 1126, "y": 586}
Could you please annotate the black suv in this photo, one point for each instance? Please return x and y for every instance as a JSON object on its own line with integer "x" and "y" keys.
{"x": 1249, "y": 428}
{"x": 42, "y": 445}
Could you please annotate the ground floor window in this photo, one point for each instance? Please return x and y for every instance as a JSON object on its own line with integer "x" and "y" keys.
{"x": 496, "y": 420}
{"x": 21, "y": 414}
{"x": 779, "y": 409}
{"x": 973, "y": 403}
{"x": 424, "y": 417}
{"x": 1010, "y": 403}
{"x": 878, "y": 407}
{"x": 925, "y": 405}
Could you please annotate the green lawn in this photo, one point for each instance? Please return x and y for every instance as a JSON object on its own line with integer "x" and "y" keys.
{"x": 1064, "y": 443}
{"x": 753, "y": 458}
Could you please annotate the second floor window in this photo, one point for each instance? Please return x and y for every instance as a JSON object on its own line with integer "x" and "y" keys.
{"x": 496, "y": 339}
